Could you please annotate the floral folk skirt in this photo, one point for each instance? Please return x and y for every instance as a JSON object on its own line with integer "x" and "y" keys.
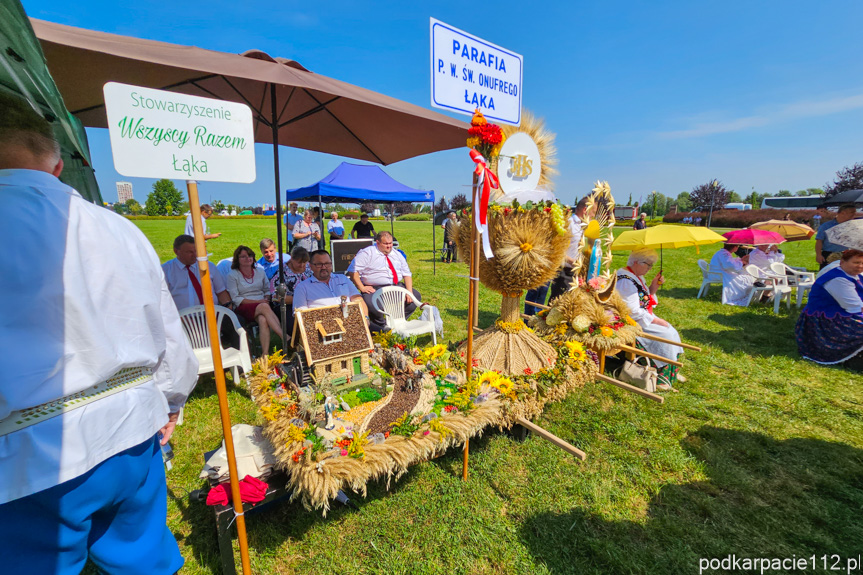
{"x": 827, "y": 340}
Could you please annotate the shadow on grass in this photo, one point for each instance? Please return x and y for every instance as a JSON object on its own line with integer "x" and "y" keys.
{"x": 762, "y": 498}
{"x": 757, "y": 333}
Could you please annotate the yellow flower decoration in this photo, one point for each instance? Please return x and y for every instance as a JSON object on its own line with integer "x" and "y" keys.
{"x": 505, "y": 386}
{"x": 606, "y": 331}
{"x": 295, "y": 435}
{"x": 526, "y": 247}
{"x": 561, "y": 329}
{"x": 271, "y": 412}
{"x": 630, "y": 321}
{"x": 489, "y": 377}
{"x": 576, "y": 350}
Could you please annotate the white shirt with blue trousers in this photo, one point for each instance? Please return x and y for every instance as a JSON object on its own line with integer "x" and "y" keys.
{"x": 85, "y": 299}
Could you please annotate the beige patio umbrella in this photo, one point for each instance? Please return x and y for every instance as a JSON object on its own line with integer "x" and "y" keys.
{"x": 290, "y": 106}
{"x": 790, "y": 230}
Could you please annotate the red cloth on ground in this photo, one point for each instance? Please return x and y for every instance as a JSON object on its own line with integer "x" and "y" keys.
{"x": 252, "y": 490}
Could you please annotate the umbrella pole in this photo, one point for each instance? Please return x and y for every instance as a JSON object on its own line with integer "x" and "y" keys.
{"x": 282, "y": 291}
{"x": 219, "y": 372}
{"x": 393, "y": 219}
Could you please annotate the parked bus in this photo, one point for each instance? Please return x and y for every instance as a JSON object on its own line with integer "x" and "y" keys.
{"x": 792, "y": 203}
{"x": 737, "y": 206}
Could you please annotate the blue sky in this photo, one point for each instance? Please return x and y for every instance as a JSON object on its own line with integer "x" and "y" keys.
{"x": 647, "y": 95}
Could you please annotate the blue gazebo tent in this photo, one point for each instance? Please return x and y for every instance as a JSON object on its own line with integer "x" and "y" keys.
{"x": 355, "y": 184}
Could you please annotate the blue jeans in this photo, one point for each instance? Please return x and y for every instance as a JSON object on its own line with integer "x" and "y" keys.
{"x": 535, "y": 295}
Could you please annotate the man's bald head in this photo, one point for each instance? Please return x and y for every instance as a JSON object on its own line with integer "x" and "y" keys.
{"x": 26, "y": 138}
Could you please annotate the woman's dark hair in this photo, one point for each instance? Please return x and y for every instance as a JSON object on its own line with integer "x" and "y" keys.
{"x": 729, "y": 246}
{"x": 235, "y": 264}
{"x": 300, "y": 253}
{"x": 848, "y": 254}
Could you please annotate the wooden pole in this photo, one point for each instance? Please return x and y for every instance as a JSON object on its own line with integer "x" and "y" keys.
{"x": 663, "y": 340}
{"x": 221, "y": 390}
{"x": 632, "y": 388}
{"x": 637, "y": 351}
{"x": 549, "y": 436}
{"x": 471, "y": 305}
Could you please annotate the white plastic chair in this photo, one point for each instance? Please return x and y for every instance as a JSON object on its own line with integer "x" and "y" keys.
{"x": 195, "y": 325}
{"x": 774, "y": 283}
{"x": 801, "y": 280}
{"x": 391, "y": 301}
{"x": 707, "y": 278}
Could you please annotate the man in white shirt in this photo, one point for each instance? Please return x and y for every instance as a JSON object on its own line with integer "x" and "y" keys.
{"x": 291, "y": 218}
{"x": 377, "y": 266}
{"x": 86, "y": 479}
{"x": 324, "y": 288}
{"x": 184, "y": 278}
{"x": 335, "y": 227}
{"x": 206, "y": 212}
{"x": 563, "y": 281}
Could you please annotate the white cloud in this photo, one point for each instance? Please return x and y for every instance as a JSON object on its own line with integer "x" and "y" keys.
{"x": 782, "y": 113}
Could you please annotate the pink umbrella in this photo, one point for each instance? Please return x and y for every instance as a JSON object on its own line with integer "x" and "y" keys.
{"x": 752, "y": 237}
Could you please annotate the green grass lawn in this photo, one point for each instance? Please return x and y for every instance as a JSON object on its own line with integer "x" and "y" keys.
{"x": 759, "y": 455}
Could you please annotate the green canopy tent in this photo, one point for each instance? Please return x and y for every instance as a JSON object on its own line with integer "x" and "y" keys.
{"x": 23, "y": 71}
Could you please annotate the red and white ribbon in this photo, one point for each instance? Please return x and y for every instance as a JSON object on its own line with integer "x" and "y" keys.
{"x": 486, "y": 180}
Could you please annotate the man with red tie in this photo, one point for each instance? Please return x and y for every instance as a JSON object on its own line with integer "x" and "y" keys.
{"x": 377, "y": 266}
{"x": 184, "y": 279}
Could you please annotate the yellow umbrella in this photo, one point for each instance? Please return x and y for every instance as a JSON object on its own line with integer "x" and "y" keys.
{"x": 790, "y": 230}
{"x": 663, "y": 236}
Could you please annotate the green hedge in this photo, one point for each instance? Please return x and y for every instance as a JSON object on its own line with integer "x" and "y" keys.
{"x": 212, "y": 218}
{"x": 414, "y": 218}
{"x": 745, "y": 218}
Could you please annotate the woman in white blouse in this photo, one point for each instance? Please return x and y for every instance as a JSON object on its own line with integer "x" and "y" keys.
{"x": 763, "y": 256}
{"x": 640, "y": 297}
{"x": 249, "y": 290}
{"x": 736, "y": 284}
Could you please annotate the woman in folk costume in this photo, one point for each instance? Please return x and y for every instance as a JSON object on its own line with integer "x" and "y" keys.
{"x": 736, "y": 284}
{"x": 640, "y": 297}
{"x": 830, "y": 328}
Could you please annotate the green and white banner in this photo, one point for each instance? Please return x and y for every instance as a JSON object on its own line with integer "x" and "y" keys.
{"x": 158, "y": 134}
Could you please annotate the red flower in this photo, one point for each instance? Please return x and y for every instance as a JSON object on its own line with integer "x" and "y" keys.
{"x": 386, "y": 434}
{"x": 475, "y": 362}
{"x": 506, "y": 211}
{"x": 547, "y": 210}
{"x": 528, "y": 371}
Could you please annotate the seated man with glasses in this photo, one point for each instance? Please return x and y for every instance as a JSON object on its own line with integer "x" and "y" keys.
{"x": 324, "y": 288}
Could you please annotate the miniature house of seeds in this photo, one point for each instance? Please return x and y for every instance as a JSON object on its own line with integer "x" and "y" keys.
{"x": 335, "y": 343}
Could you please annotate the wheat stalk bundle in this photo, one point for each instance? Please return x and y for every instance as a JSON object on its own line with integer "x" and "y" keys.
{"x": 528, "y": 250}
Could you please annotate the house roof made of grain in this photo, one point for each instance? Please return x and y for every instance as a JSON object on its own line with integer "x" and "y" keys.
{"x": 356, "y": 338}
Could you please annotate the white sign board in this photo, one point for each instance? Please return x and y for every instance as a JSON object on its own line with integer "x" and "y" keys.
{"x": 519, "y": 166}
{"x": 468, "y": 73}
{"x": 158, "y": 134}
